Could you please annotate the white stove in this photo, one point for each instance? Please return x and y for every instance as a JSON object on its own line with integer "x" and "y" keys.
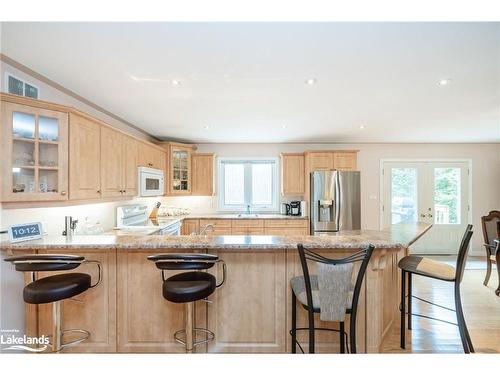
{"x": 135, "y": 217}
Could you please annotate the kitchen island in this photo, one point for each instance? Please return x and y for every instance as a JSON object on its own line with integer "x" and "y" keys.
{"x": 249, "y": 314}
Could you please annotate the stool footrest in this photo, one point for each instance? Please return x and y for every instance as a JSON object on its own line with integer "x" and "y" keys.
{"x": 85, "y": 336}
{"x": 210, "y": 336}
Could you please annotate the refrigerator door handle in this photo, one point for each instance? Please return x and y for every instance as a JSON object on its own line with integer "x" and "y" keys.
{"x": 337, "y": 201}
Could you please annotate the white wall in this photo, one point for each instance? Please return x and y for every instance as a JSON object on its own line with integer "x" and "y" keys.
{"x": 485, "y": 173}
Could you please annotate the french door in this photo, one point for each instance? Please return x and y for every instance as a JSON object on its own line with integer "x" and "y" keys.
{"x": 431, "y": 192}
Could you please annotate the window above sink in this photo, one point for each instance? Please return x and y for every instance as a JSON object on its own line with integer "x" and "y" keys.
{"x": 248, "y": 185}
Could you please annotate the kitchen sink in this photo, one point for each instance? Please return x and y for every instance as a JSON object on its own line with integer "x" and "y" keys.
{"x": 248, "y": 215}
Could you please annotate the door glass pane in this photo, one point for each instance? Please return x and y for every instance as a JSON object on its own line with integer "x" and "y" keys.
{"x": 47, "y": 181}
{"x": 48, "y": 128}
{"x": 403, "y": 195}
{"x": 23, "y": 180}
{"x": 234, "y": 184}
{"x": 23, "y": 125}
{"x": 23, "y": 153}
{"x": 262, "y": 184}
{"x": 447, "y": 196}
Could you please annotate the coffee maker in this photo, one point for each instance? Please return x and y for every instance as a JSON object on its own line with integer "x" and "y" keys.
{"x": 295, "y": 208}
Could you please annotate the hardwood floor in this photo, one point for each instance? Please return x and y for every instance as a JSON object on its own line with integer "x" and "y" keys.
{"x": 481, "y": 309}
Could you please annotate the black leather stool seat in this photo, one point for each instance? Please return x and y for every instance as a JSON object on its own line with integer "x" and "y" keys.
{"x": 188, "y": 287}
{"x": 56, "y": 288}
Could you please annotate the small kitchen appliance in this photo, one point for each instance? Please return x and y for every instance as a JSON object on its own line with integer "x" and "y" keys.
{"x": 295, "y": 208}
{"x": 151, "y": 182}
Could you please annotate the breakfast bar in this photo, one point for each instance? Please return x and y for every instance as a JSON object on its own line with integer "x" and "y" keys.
{"x": 249, "y": 314}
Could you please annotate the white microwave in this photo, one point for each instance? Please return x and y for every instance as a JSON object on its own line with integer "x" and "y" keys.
{"x": 151, "y": 182}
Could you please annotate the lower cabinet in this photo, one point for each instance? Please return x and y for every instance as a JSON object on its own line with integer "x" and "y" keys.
{"x": 94, "y": 310}
{"x": 248, "y": 313}
{"x": 190, "y": 226}
{"x": 146, "y": 321}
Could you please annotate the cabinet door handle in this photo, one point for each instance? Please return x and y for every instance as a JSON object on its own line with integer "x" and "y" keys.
{"x": 99, "y": 191}
{"x": 63, "y": 193}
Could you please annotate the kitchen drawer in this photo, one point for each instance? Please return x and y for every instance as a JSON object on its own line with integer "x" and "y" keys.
{"x": 286, "y": 231}
{"x": 248, "y": 231}
{"x": 247, "y": 223}
{"x": 284, "y": 223}
{"x": 217, "y": 223}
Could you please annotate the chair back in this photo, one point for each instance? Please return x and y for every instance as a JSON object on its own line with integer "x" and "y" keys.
{"x": 184, "y": 261}
{"x": 462, "y": 254}
{"x": 45, "y": 262}
{"x": 491, "y": 231}
{"x": 362, "y": 256}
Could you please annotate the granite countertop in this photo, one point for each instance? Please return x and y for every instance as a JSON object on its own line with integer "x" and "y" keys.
{"x": 395, "y": 236}
{"x": 238, "y": 216}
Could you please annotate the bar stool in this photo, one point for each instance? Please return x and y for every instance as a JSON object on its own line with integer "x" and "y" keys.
{"x": 189, "y": 287}
{"x": 56, "y": 288}
{"x": 306, "y": 289}
{"x": 426, "y": 267}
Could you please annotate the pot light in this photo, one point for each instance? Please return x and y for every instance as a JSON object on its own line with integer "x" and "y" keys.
{"x": 311, "y": 81}
{"x": 444, "y": 82}
{"x": 284, "y": 126}
{"x": 206, "y": 127}
{"x": 361, "y": 126}
{"x": 176, "y": 82}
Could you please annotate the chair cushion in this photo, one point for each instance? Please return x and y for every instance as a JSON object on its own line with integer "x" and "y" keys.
{"x": 427, "y": 267}
{"x": 56, "y": 288}
{"x": 299, "y": 289}
{"x": 188, "y": 287}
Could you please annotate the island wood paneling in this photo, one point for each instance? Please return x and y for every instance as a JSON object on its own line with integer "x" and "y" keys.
{"x": 94, "y": 310}
{"x": 248, "y": 314}
{"x": 146, "y": 320}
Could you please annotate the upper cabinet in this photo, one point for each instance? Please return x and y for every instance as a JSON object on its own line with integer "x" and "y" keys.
{"x": 345, "y": 160}
{"x": 292, "y": 174}
{"x": 34, "y": 153}
{"x": 51, "y": 152}
{"x": 85, "y": 159}
{"x": 202, "y": 173}
{"x": 179, "y": 168}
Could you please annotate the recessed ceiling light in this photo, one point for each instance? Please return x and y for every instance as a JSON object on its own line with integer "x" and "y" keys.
{"x": 444, "y": 81}
{"x": 284, "y": 126}
{"x": 176, "y": 82}
{"x": 311, "y": 81}
{"x": 361, "y": 126}
{"x": 206, "y": 127}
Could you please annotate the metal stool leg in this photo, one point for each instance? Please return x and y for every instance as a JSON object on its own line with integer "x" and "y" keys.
{"x": 409, "y": 300}
{"x": 294, "y": 323}
{"x": 342, "y": 337}
{"x": 189, "y": 326}
{"x": 56, "y": 326}
{"x": 462, "y": 326}
{"x": 403, "y": 311}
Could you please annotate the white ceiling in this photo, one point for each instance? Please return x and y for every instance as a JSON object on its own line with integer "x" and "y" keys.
{"x": 246, "y": 81}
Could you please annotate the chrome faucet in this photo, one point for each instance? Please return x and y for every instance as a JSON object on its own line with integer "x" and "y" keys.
{"x": 204, "y": 230}
{"x": 69, "y": 226}
{"x": 248, "y": 209}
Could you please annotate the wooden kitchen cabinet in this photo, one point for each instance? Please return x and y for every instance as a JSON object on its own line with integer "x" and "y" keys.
{"x": 345, "y": 160}
{"x": 34, "y": 153}
{"x": 151, "y": 156}
{"x": 85, "y": 158}
{"x": 179, "y": 181}
{"x": 248, "y": 314}
{"x": 94, "y": 310}
{"x": 202, "y": 173}
{"x": 283, "y": 227}
{"x": 111, "y": 162}
{"x": 292, "y": 174}
{"x": 221, "y": 227}
{"x": 130, "y": 152}
{"x": 320, "y": 161}
{"x": 190, "y": 226}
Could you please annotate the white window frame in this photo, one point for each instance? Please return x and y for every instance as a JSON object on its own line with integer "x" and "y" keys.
{"x": 6, "y": 85}
{"x": 274, "y": 207}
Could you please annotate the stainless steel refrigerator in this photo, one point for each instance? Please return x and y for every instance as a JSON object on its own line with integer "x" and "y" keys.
{"x": 335, "y": 201}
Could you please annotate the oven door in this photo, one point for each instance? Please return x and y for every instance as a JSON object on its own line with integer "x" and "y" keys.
{"x": 151, "y": 184}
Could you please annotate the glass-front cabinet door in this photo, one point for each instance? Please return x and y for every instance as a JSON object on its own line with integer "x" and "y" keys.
{"x": 34, "y": 153}
{"x": 180, "y": 166}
